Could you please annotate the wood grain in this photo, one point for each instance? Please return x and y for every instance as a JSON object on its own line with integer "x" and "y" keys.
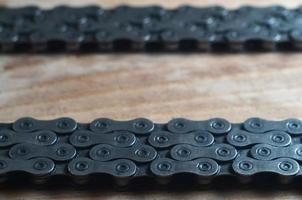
{"x": 156, "y": 86}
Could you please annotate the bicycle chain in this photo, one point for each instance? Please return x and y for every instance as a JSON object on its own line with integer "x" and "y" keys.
{"x": 92, "y": 28}
{"x": 139, "y": 148}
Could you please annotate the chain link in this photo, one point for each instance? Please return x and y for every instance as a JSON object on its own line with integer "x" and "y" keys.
{"x": 126, "y": 150}
{"x": 31, "y": 29}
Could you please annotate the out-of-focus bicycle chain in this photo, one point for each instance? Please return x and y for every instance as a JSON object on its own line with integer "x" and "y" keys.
{"x": 92, "y": 28}
{"x": 139, "y": 148}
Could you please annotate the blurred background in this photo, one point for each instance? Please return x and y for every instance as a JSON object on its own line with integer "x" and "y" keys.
{"x": 155, "y": 86}
{"x": 167, "y": 3}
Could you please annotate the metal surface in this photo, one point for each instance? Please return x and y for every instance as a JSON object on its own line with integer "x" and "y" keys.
{"x": 92, "y": 28}
{"x": 127, "y": 150}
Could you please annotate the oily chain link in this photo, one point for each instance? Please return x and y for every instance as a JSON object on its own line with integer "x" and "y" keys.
{"x": 139, "y": 147}
{"x": 126, "y": 28}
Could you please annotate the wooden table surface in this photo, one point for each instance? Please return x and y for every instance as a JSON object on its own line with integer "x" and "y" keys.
{"x": 157, "y": 86}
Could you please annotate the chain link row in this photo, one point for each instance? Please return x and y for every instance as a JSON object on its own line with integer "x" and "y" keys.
{"x": 92, "y": 28}
{"x": 126, "y": 150}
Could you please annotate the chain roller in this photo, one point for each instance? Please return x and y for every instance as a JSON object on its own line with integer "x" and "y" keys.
{"x": 282, "y": 166}
{"x": 85, "y": 166}
{"x": 257, "y": 125}
{"x": 215, "y": 126}
{"x": 220, "y": 152}
{"x": 36, "y": 166}
{"x": 58, "y": 152}
{"x": 268, "y": 152}
{"x": 139, "y": 148}
{"x": 9, "y": 137}
{"x": 153, "y": 28}
{"x": 105, "y": 152}
{"x": 84, "y": 138}
{"x": 138, "y": 126}
{"x": 163, "y": 139}
{"x": 61, "y": 126}
{"x": 242, "y": 138}
{"x": 169, "y": 167}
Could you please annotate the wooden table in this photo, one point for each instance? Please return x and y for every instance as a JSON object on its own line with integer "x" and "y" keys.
{"x": 157, "y": 86}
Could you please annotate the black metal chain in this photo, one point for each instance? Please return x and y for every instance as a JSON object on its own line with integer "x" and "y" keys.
{"x": 92, "y": 28}
{"x": 126, "y": 150}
